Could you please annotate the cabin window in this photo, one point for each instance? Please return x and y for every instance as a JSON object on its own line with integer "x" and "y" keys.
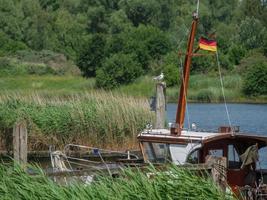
{"x": 157, "y": 152}
{"x": 262, "y": 163}
{"x": 216, "y": 152}
{"x": 193, "y": 157}
{"x": 233, "y": 158}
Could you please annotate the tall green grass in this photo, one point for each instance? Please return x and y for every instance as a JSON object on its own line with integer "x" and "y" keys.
{"x": 95, "y": 118}
{"x": 176, "y": 183}
{"x": 203, "y": 88}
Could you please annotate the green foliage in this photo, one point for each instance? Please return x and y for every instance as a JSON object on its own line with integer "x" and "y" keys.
{"x": 9, "y": 46}
{"x": 251, "y": 33}
{"x": 97, "y": 19}
{"x": 148, "y": 43}
{"x": 38, "y": 63}
{"x": 236, "y": 54}
{"x": 91, "y": 31}
{"x": 251, "y": 59}
{"x": 92, "y": 55}
{"x": 131, "y": 184}
{"x": 203, "y": 64}
{"x": 171, "y": 69}
{"x": 205, "y": 95}
{"x": 96, "y": 118}
{"x": 255, "y": 80}
{"x": 118, "y": 69}
{"x": 140, "y": 11}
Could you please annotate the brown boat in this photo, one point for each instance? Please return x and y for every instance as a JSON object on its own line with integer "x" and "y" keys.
{"x": 233, "y": 155}
{"x": 237, "y": 152}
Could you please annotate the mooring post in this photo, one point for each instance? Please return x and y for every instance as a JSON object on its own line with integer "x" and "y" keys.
{"x": 20, "y": 137}
{"x": 160, "y": 105}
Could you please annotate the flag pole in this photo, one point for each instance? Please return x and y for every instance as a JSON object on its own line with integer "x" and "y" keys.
{"x": 180, "y": 113}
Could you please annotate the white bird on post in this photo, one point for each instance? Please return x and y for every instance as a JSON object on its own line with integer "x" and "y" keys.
{"x": 159, "y": 78}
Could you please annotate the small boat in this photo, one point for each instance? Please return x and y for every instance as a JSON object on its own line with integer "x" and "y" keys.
{"x": 232, "y": 155}
{"x": 235, "y": 153}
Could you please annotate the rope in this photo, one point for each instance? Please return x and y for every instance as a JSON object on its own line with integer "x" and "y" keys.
{"x": 197, "y": 7}
{"x": 222, "y": 87}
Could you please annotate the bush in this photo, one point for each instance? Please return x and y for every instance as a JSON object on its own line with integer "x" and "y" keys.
{"x": 171, "y": 69}
{"x": 148, "y": 43}
{"x": 255, "y": 80}
{"x": 252, "y": 58}
{"x": 91, "y": 57}
{"x": 236, "y": 53}
{"x": 118, "y": 69}
{"x": 9, "y": 46}
{"x": 205, "y": 95}
{"x": 9, "y": 67}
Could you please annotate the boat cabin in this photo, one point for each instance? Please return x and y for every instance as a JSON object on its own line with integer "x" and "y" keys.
{"x": 192, "y": 147}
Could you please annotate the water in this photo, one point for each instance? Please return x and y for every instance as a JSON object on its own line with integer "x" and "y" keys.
{"x": 252, "y": 118}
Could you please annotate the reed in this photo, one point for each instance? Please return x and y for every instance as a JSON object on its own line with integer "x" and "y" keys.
{"x": 204, "y": 88}
{"x": 176, "y": 183}
{"x": 94, "y": 118}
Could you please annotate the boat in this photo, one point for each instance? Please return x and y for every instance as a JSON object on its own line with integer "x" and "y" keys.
{"x": 234, "y": 152}
{"x": 231, "y": 153}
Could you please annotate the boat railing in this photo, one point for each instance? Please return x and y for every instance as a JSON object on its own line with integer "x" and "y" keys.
{"x": 75, "y": 157}
{"x": 96, "y": 152}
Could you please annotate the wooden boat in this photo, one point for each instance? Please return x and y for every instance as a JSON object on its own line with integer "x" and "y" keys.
{"x": 182, "y": 146}
{"x": 229, "y": 149}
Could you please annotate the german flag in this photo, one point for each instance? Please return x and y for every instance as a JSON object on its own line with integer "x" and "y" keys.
{"x": 206, "y": 44}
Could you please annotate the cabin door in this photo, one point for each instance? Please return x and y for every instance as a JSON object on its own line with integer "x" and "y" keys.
{"x": 235, "y": 174}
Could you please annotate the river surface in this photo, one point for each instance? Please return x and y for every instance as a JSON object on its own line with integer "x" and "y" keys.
{"x": 252, "y": 118}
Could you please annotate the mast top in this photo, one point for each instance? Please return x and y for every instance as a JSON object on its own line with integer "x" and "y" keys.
{"x": 180, "y": 114}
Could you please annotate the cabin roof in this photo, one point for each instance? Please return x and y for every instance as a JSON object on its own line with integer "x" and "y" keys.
{"x": 163, "y": 135}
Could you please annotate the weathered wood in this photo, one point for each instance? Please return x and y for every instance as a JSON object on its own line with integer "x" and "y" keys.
{"x": 219, "y": 170}
{"x": 160, "y": 105}
{"x": 20, "y": 137}
{"x": 180, "y": 114}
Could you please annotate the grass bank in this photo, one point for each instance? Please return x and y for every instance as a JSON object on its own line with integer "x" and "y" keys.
{"x": 93, "y": 118}
{"x": 132, "y": 184}
{"x": 202, "y": 88}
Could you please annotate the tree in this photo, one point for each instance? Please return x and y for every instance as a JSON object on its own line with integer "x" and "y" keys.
{"x": 118, "y": 22}
{"x": 236, "y": 53}
{"x": 148, "y": 43}
{"x": 140, "y": 11}
{"x": 255, "y": 80}
{"x": 118, "y": 69}
{"x": 91, "y": 56}
{"x": 97, "y": 21}
{"x": 9, "y": 46}
{"x": 69, "y": 33}
{"x": 171, "y": 69}
{"x": 252, "y": 8}
{"x": 251, "y": 33}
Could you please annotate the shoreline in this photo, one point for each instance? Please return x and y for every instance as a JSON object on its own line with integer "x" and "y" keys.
{"x": 220, "y": 102}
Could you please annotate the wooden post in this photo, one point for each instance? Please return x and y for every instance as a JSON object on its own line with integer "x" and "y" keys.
{"x": 20, "y": 137}
{"x": 160, "y": 105}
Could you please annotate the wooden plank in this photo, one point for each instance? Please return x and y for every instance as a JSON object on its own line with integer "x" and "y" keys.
{"x": 20, "y": 139}
{"x": 160, "y": 105}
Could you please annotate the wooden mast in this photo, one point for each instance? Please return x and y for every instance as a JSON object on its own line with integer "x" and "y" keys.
{"x": 180, "y": 114}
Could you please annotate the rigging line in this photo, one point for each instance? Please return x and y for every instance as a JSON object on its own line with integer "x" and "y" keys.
{"x": 197, "y": 7}
{"x": 181, "y": 41}
{"x": 186, "y": 107}
{"x": 222, "y": 87}
{"x": 183, "y": 38}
